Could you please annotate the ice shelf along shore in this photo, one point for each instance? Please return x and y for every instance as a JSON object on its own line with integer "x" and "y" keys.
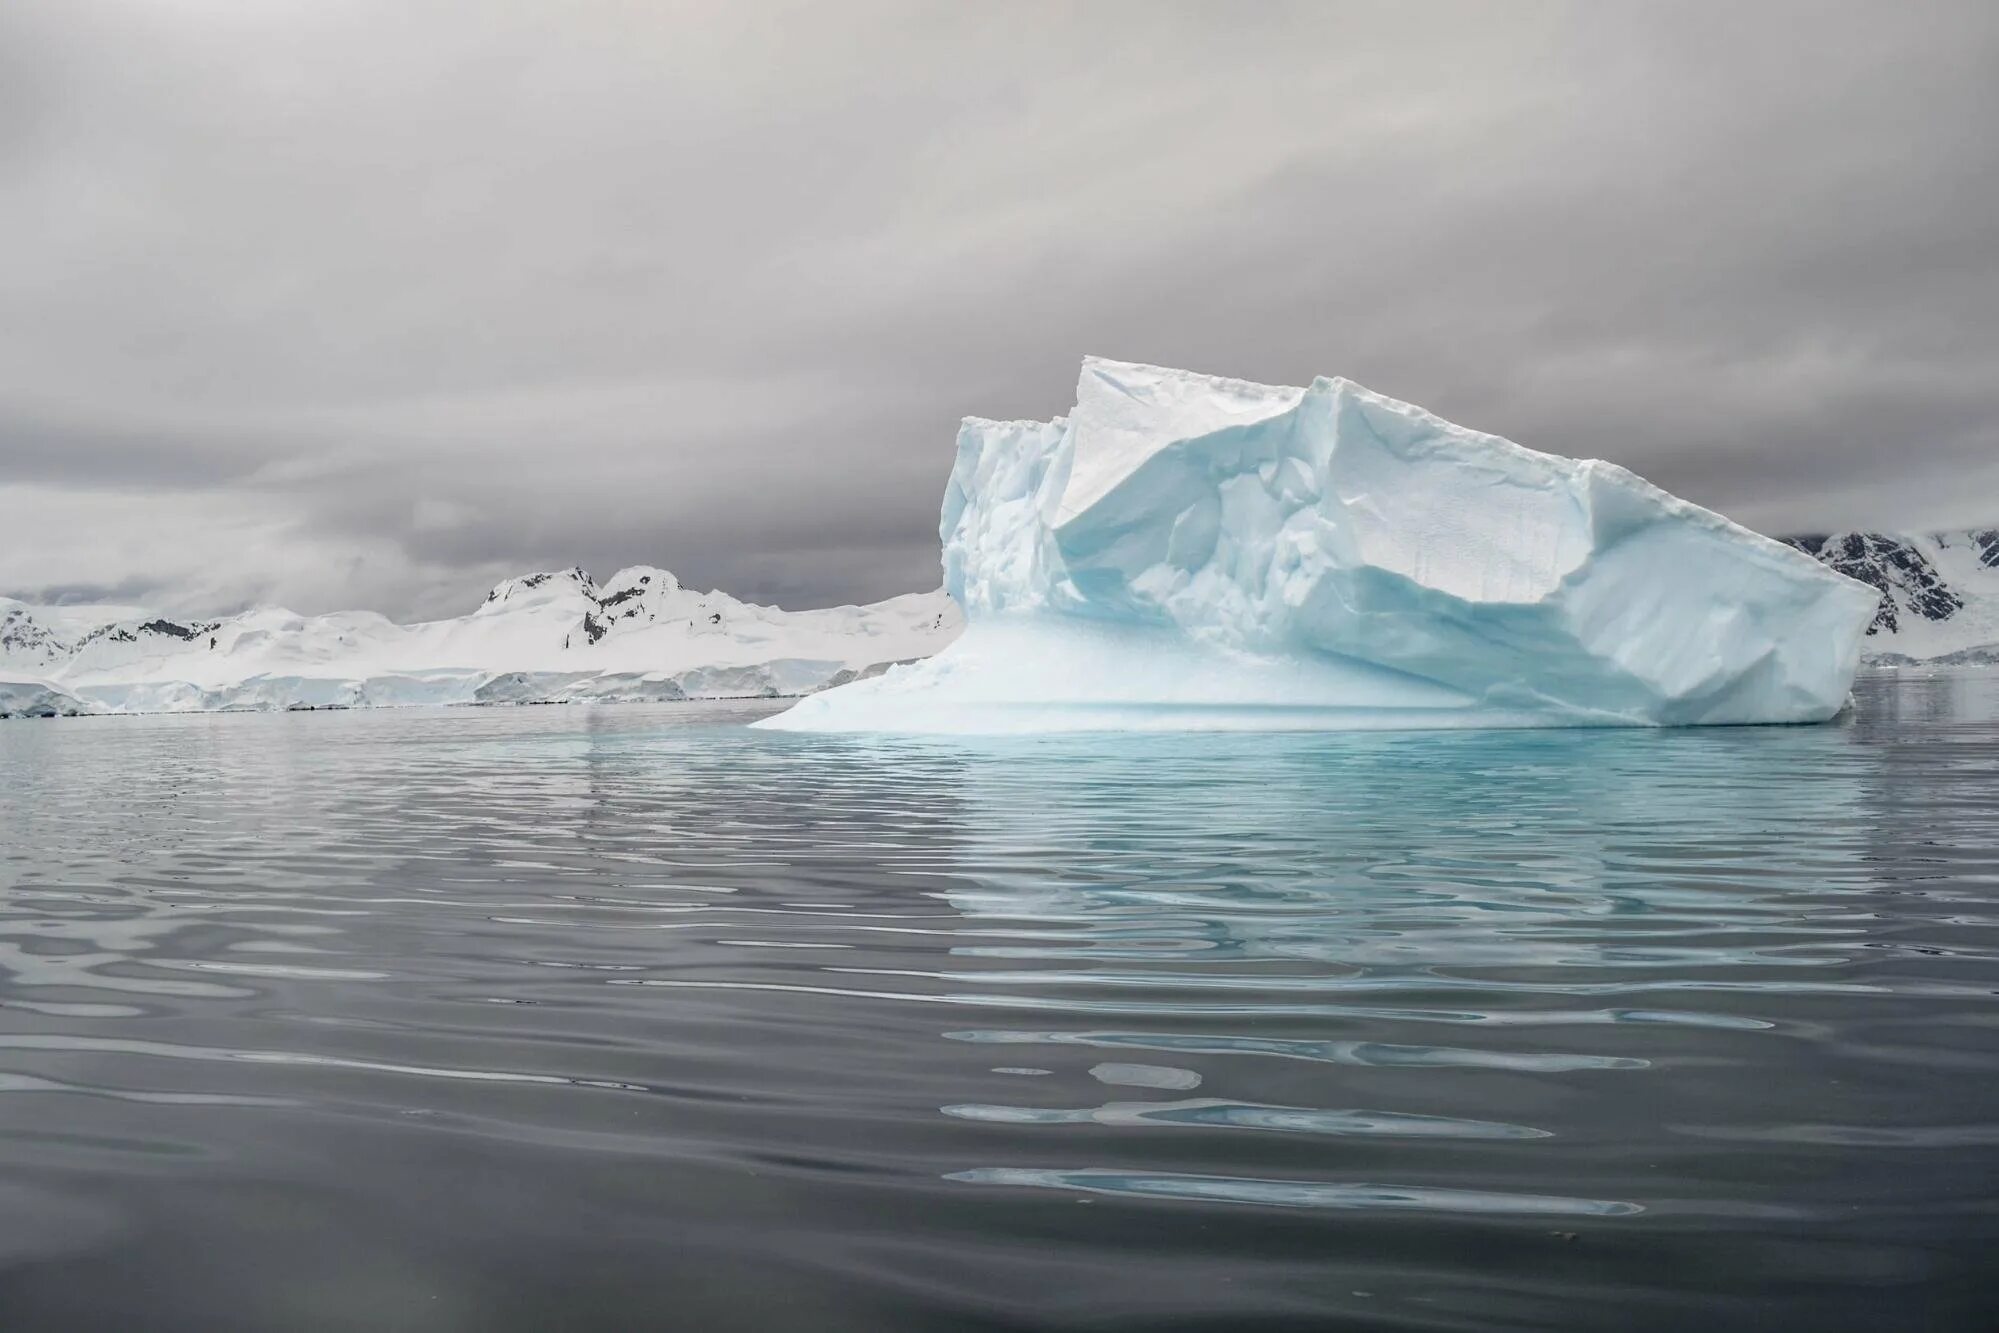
{"x": 1184, "y": 551}
{"x": 557, "y": 636}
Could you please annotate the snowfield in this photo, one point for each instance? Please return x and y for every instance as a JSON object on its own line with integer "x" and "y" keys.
{"x": 546, "y": 637}
{"x": 1188, "y": 551}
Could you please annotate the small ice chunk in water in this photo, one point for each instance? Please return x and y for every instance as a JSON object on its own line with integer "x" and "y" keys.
{"x": 1145, "y": 1076}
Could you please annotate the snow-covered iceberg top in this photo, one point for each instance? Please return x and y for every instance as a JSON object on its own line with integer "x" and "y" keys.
{"x": 1188, "y": 551}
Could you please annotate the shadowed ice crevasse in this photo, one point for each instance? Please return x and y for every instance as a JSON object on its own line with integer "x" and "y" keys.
{"x": 1183, "y": 551}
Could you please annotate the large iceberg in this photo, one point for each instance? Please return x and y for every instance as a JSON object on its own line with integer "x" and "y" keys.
{"x": 1188, "y": 551}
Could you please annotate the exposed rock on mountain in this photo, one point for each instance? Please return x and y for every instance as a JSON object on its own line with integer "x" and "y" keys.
{"x": 27, "y": 644}
{"x": 1939, "y": 591}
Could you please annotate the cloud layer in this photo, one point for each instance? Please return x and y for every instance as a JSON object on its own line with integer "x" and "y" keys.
{"x": 371, "y": 302}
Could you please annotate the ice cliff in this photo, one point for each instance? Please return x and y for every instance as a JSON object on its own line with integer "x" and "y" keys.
{"x": 1189, "y": 551}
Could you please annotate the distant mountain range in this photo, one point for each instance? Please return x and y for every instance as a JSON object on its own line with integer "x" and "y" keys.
{"x": 1939, "y": 592}
{"x": 550, "y": 637}
{"x": 560, "y": 636}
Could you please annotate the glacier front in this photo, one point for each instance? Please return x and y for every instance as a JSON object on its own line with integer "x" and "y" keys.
{"x": 1186, "y": 551}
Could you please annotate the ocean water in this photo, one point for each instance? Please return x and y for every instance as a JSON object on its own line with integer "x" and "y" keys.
{"x": 634, "y": 1018}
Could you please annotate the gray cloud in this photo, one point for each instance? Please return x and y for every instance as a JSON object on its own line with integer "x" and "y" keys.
{"x": 352, "y": 302}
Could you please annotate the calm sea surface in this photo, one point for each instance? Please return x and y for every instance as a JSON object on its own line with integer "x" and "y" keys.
{"x": 633, "y": 1018}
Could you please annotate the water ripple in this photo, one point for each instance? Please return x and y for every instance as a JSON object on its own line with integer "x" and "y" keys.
{"x": 1302, "y": 1193}
{"x": 1703, "y": 1023}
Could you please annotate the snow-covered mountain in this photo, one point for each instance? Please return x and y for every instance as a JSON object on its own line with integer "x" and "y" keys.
{"x": 26, "y": 644}
{"x": 547, "y": 637}
{"x": 1939, "y": 591}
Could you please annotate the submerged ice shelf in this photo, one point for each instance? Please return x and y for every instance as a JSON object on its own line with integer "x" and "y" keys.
{"x": 1188, "y": 551}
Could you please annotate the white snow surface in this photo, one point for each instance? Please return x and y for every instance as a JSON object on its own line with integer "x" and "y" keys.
{"x": 1187, "y": 551}
{"x": 547, "y": 637}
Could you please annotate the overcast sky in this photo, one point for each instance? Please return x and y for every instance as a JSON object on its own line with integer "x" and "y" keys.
{"x": 372, "y": 302}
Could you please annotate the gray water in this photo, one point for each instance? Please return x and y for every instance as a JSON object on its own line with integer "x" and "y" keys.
{"x": 632, "y": 1018}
